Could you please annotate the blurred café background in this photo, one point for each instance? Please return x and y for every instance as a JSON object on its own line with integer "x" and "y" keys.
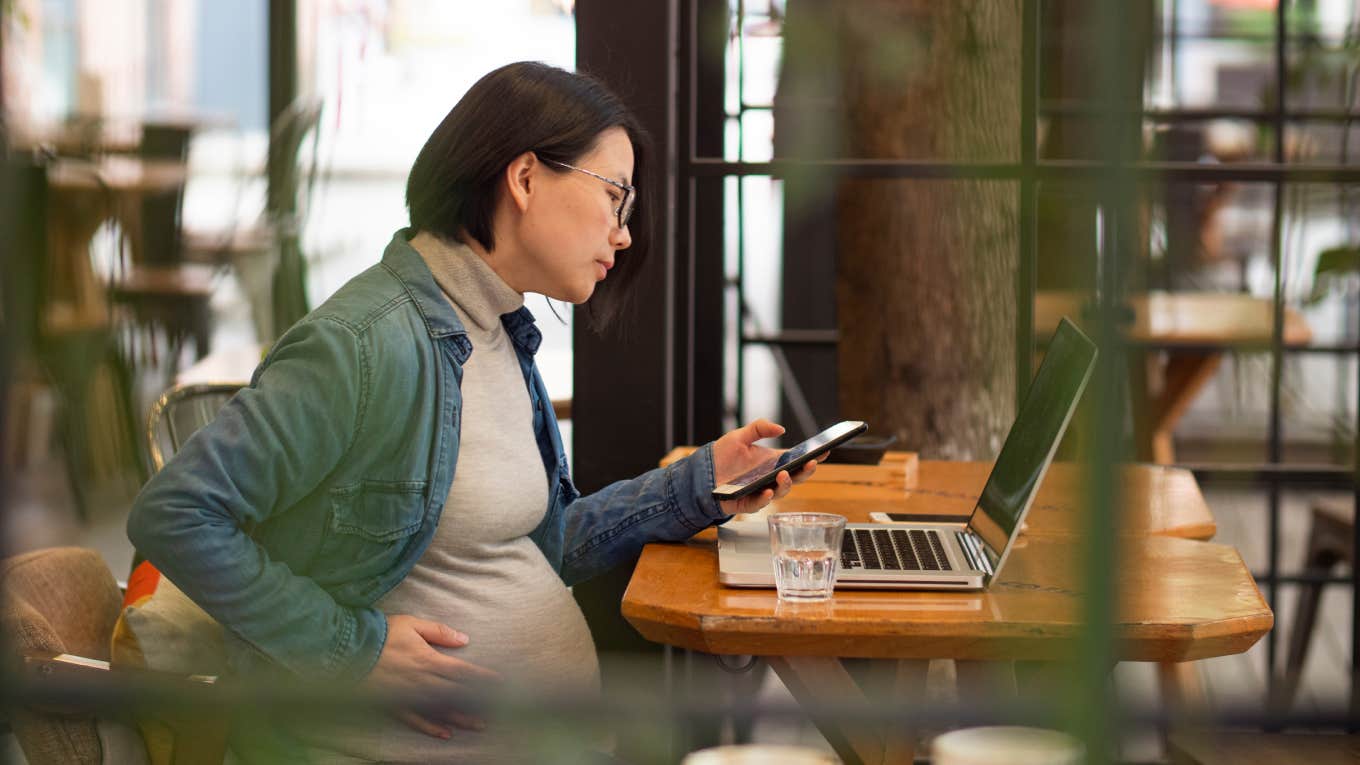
{"x": 196, "y": 207}
{"x": 186, "y": 178}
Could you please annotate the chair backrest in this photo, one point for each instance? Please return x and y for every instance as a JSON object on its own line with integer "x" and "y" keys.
{"x": 291, "y": 129}
{"x": 161, "y": 211}
{"x": 179, "y": 413}
{"x": 289, "y": 203}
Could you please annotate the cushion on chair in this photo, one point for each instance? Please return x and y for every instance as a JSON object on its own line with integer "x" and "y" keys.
{"x": 161, "y": 629}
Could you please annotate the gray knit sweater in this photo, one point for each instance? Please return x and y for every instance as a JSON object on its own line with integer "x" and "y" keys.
{"x": 482, "y": 575}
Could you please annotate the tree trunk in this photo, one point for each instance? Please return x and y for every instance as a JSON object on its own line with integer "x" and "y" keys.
{"x": 926, "y": 269}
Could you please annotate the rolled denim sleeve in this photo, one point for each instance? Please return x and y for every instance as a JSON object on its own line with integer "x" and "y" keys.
{"x": 668, "y": 504}
{"x": 268, "y": 448}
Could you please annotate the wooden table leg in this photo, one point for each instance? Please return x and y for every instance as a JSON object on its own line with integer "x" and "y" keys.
{"x": 817, "y": 681}
{"x": 899, "y": 741}
{"x": 985, "y": 681}
{"x": 1186, "y": 374}
{"x": 1182, "y": 687}
{"x": 75, "y": 295}
{"x": 1159, "y": 404}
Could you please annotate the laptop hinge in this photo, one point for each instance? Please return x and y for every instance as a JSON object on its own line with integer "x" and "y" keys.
{"x": 972, "y": 549}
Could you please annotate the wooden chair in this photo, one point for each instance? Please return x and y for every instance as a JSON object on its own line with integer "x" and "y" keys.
{"x": 162, "y": 291}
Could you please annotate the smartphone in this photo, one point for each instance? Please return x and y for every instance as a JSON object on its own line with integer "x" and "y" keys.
{"x": 763, "y": 476}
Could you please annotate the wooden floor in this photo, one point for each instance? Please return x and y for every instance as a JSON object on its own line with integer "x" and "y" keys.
{"x": 1267, "y": 749}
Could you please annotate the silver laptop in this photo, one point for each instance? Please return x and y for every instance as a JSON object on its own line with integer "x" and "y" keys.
{"x": 947, "y": 556}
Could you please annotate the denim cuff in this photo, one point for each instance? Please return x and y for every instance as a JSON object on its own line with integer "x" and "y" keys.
{"x": 692, "y": 482}
{"x": 359, "y": 644}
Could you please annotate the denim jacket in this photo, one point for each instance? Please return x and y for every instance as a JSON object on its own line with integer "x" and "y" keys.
{"x": 318, "y": 487}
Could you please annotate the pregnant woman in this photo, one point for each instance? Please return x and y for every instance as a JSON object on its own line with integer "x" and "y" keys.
{"x": 388, "y": 503}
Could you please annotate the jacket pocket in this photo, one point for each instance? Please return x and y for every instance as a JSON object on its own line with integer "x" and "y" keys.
{"x": 370, "y": 525}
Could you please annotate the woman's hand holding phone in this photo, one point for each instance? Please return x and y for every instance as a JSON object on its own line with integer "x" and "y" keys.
{"x": 736, "y": 453}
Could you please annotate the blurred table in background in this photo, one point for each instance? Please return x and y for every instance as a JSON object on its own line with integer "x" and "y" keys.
{"x": 1194, "y": 330}
{"x": 82, "y": 195}
{"x": 90, "y": 135}
{"x": 79, "y": 328}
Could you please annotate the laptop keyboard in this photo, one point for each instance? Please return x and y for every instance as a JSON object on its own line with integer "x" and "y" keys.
{"x": 893, "y": 550}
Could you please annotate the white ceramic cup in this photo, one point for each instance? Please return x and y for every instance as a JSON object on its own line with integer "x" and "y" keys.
{"x": 758, "y": 754}
{"x": 1006, "y": 745}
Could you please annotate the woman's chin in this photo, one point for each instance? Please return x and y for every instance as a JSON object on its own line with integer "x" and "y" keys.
{"x": 573, "y": 296}
{"x": 579, "y": 295}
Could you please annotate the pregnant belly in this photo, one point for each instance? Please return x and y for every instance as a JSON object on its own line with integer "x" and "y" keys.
{"x": 521, "y": 621}
{"x": 528, "y": 628}
{"x": 538, "y": 642}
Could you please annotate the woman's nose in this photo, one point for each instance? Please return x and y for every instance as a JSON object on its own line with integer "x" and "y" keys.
{"x": 622, "y": 238}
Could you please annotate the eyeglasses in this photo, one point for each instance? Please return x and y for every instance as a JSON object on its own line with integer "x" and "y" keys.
{"x": 625, "y": 209}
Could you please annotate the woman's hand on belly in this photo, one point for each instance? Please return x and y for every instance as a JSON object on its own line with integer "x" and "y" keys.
{"x": 411, "y": 667}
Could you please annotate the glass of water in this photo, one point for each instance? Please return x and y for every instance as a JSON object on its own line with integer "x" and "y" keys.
{"x": 806, "y": 548}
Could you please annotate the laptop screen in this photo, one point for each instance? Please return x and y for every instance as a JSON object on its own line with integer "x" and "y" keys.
{"x": 1033, "y": 439}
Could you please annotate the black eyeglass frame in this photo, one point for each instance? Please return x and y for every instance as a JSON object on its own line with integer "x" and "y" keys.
{"x": 625, "y": 208}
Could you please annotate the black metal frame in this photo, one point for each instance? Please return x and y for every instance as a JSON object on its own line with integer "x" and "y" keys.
{"x": 1030, "y": 171}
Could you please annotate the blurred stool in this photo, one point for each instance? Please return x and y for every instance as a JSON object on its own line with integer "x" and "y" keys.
{"x": 1330, "y": 541}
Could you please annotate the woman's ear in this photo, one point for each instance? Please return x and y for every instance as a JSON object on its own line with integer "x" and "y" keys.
{"x": 520, "y": 180}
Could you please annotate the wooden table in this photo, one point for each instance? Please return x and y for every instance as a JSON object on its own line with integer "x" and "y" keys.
{"x": 101, "y": 134}
{"x": 76, "y": 321}
{"x": 1194, "y": 329}
{"x": 1183, "y": 599}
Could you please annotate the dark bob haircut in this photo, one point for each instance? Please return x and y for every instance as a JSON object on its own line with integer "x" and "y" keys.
{"x": 526, "y": 106}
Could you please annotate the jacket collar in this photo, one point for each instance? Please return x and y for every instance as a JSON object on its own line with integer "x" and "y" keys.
{"x": 403, "y": 261}
{"x": 520, "y": 325}
{"x": 440, "y": 318}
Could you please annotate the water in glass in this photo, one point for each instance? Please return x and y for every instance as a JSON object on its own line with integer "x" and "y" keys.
{"x": 805, "y": 574}
{"x": 804, "y": 548}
